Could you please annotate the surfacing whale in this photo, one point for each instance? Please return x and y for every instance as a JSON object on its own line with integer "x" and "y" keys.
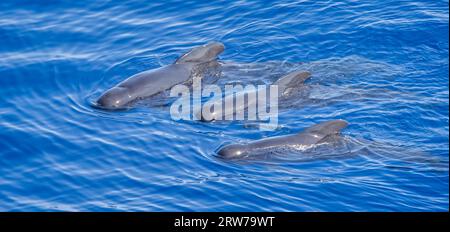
{"x": 310, "y": 136}
{"x": 286, "y": 85}
{"x": 152, "y": 82}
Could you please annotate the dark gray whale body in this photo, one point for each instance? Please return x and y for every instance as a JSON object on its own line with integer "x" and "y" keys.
{"x": 286, "y": 85}
{"x": 308, "y": 137}
{"x": 151, "y": 82}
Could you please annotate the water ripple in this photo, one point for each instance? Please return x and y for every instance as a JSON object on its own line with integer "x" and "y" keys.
{"x": 382, "y": 66}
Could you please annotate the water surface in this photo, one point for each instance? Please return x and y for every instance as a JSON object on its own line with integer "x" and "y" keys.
{"x": 382, "y": 66}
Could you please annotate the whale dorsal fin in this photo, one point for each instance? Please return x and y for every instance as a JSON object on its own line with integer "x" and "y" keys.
{"x": 291, "y": 81}
{"x": 201, "y": 54}
{"x": 325, "y": 129}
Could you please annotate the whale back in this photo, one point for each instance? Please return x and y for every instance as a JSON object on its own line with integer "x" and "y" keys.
{"x": 202, "y": 54}
{"x": 310, "y": 136}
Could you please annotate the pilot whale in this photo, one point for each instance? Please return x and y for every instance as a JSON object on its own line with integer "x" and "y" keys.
{"x": 286, "y": 85}
{"x": 152, "y": 82}
{"x": 310, "y": 136}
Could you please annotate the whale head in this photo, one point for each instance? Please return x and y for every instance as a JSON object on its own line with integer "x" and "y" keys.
{"x": 202, "y": 54}
{"x": 232, "y": 151}
{"x": 115, "y": 98}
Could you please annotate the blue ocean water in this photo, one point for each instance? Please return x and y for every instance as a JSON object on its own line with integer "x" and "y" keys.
{"x": 380, "y": 65}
